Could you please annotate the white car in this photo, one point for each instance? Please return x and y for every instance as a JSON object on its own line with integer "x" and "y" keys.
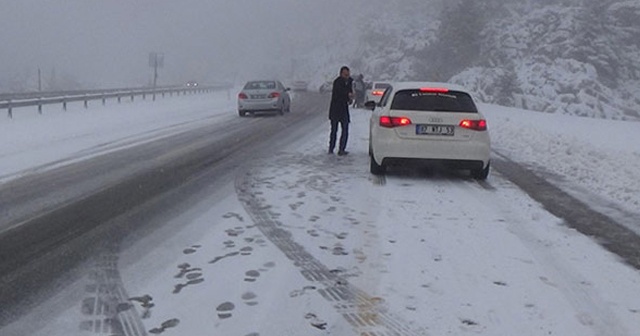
{"x": 428, "y": 123}
{"x": 264, "y": 96}
{"x": 376, "y": 91}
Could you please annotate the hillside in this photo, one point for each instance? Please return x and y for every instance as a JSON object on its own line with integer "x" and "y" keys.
{"x": 575, "y": 57}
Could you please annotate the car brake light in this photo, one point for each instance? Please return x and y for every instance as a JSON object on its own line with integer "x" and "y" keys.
{"x": 242, "y": 95}
{"x": 274, "y": 95}
{"x": 476, "y": 125}
{"x": 434, "y": 90}
{"x": 377, "y": 92}
{"x": 391, "y": 122}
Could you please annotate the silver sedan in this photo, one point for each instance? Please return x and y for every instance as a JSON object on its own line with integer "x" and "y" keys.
{"x": 264, "y": 96}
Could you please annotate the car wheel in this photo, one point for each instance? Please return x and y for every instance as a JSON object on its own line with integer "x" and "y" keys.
{"x": 375, "y": 168}
{"x": 481, "y": 174}
{"x": 241, "y": 113}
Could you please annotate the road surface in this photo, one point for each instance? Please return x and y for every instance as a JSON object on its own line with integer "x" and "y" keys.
{"x": 83, "y": 245}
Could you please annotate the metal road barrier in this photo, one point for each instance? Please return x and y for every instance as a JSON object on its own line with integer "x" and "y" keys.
{"x": 9, "y": 102}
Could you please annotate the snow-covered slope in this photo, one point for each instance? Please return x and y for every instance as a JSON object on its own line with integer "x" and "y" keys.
{"x": 578, "y": 57}
{"x": 562, "y": 59}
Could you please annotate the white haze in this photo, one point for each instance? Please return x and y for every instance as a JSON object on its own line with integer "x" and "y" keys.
{"x": 102, "y": 43}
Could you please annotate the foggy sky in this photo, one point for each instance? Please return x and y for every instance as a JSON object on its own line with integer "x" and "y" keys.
{"x": 106, "y": 42}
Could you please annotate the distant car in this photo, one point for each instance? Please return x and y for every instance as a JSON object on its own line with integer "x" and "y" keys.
{"x": 376, "y": 90}
{"x": 264, "y": 96}
{"x": 421, "y": 124}
{"x": 192, "y": 84}
{"x": 300, "y": 86}
{"x": 326, "y": 87}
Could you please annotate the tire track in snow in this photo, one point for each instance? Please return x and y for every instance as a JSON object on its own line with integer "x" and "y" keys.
{"x": 363, "y": 312}
{"x": 107, "y": 307}
{"x": 612, "y": 235}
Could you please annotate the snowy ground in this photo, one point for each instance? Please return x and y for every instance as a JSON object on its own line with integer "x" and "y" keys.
{"x": 591, "y": 158}
{"x": 435, "y": 255}
{"x": 32, "y": 142}
{"x": 305, "y": 243}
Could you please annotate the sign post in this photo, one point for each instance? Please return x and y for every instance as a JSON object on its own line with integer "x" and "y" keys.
{"x": 156, "y": 60}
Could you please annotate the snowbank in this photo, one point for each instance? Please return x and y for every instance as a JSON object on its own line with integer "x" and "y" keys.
{"x": 30, "y": 140}
{"x": 600, "y": 156}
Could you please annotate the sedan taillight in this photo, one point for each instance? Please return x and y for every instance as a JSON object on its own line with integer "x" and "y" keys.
{"x": 391, "y": 122}
{"x": 377, "y": 92}
{"x": 274, "y": 95}
{"x": 476, "y": 125}
{"x": 242, "y": 95}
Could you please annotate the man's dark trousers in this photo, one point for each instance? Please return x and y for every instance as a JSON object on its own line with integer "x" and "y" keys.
{"x": 344, "y": 134}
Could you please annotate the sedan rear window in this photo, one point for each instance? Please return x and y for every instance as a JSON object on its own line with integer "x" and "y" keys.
{"x": 381, "y": 86}
{"x": 417, "y": 100}
{"x": 260, "y": 85}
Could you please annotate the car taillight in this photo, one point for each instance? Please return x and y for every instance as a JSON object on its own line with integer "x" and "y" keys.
{"x": 477, "y": 125}
{"x": 391, "y": 122}
{"x": 242, "y": 95}
{"x": 377, "y": 92}
{"x": 274, "y": 95}
{"x": 434, "y": 90}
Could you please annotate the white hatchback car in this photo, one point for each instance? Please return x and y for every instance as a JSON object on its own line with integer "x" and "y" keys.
{"x": 426, "y": 124}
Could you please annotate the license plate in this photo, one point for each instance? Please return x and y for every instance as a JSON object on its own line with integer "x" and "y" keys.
{"x": 435, "y": 130}
{"x": 258, "y": 96}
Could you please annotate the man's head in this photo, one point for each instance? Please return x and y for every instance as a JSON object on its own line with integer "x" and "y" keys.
{"x": 345, "y": 72}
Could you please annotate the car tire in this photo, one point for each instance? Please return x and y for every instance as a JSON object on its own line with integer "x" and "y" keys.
{"x": 481, "y": 174}
{"x": 241, "y": 113}
{"x": 375, "y": 168}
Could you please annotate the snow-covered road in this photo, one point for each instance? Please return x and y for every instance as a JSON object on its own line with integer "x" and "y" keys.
{"x": 304, "y": 243}
{"x": 596, "y": 160}
{"x": 33, "y": 143}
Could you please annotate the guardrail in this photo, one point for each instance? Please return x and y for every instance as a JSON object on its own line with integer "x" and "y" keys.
{"x": 104, "y": 95}
{"x": 46, "y": 94}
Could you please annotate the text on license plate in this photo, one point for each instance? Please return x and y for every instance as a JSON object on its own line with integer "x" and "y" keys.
{"x": 435, "y": 129}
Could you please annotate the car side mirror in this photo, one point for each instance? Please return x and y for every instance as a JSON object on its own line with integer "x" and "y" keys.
{"x": 370, "y": 105}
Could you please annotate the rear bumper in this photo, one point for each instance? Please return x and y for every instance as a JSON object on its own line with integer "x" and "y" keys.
{"x": 472, "y": 154}
{"x": 447, "y": 163}
{"x": 262, "y": 105}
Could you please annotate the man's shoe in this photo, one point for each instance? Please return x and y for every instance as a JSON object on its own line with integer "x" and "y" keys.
{"x": 343, "y": 153}
{"x": 330, "y": 151}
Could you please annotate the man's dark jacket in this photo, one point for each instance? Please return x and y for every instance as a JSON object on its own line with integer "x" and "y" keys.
{"x": 339, "y": 109}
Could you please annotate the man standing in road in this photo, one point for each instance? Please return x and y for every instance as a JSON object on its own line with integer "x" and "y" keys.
{"x": 341, "y": 97}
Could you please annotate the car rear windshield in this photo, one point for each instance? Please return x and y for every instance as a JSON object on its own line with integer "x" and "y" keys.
{"x": 416, "y": 100}
{"x": 381, "y": 86}
{"x": 260, "y": 85}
